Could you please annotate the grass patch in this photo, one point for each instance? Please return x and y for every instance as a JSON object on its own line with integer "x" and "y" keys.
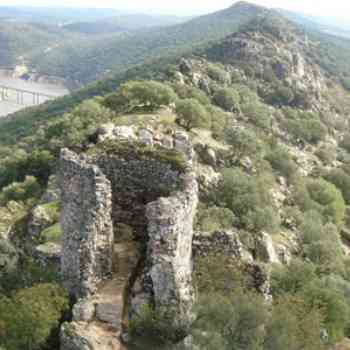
{"x": 132, "y": 151}
{"x": 52, "y": 234}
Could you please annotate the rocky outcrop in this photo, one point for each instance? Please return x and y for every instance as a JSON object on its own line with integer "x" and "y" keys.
{"x": 265, "y": 250}
{"x": 271, "y": 57}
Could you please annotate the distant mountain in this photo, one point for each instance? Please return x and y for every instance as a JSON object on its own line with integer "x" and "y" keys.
{"x": 20, "y": 39}
{"x": 54, "y": 15}
{"x": 31, "y": 33}
{"x": 322, "y": 24}
{"x": 123, "y": 23}
{"x": 92, "y": 59}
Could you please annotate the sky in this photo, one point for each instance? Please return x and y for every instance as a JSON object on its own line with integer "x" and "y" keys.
{"x": 326, "y": 8}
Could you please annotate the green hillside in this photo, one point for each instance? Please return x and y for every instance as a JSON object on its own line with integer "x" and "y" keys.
{"x": 269, "y": 121}
{"x": 124, "y": 23}
{"x": 20, "y": 40}
{"x": 91, "y": 60}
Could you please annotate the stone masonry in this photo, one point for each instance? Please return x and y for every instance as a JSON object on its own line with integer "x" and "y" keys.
{"x": 101, "y": 191}
{"x": 86, "y": 224}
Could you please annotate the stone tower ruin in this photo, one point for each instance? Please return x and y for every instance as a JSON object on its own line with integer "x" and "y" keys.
{"x": 149, "y": 187}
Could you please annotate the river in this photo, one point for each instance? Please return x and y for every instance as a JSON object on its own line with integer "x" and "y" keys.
{"x": 10, "y": 106}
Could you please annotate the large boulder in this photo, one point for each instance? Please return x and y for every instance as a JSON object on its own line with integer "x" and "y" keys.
{"x": 265, "y": 250}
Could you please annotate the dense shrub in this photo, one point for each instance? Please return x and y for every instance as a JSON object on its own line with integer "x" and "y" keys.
{"x": 15, "y": 167}
{"x": 249, "y": 200}
{"x": 228, "y": 99}
{"x": 20, "y": 191}
{"x": 341, "y": 180}
{"x": 305, "y": 126}
{"x": 230, "y": 323}
{"x": 312, "y": 227}
{"x": 321, "y": 196}
{"x": 220, "y": 274}
{"x": 281, "y": 161}
{"x": 74, "y": 127}
{"x": 333, "y": 305}
{"x": 219, "y": 121}
{"x": 214, "y": 219}
{"x": 291, "y": 279}
{"x": 327, "y": 154}
{"x": 28, "y": 318}
{"x": 330, "y": 198}
{"x": 140, "y": 94}
{"x": 186, "y": 91}
{"x": 294, "y": 325}
{"x": 258, "y": 114}
{"x": 280, "y": 95}
{"x": 191, "y": 114}
{"x": 322, "y": 244}
{"x": 327, "y": 295}
{"x": 153, "y": 329}
{"x": 218, "y": 74}
{"x": 26, "y": 275}
{"x": 242, "y": 321}
{"x": 244, "y": 142}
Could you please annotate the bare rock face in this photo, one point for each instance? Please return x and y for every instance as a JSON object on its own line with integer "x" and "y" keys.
{"x": 39, "y": 220}
{"x": 265, "y": 250}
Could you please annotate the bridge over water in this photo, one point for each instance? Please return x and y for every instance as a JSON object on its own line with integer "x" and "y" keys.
{"x": 23, "y": 97}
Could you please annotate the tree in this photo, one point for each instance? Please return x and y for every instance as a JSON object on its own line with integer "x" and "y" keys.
{"x": 140, "y": 94}
{"x": 186, "y": 91}
{"x": 191, "y": 114}
{"x": 291, "y": 279}
{"x": 321, "y": 196}
{"x": 341, "y": 179}
{"x": 234, "y": 322}
{"x": 248, "y": 198}
{"x": 294, "y": 325}
{"x": 27, "y": 319}
{"x": 281, "y": 161}
{"x": 228, "y": 99}
{"x": 257, "y": 113}
{"x": 20, "y": 191}
{"x": 74, "y": 128}
{"x": 330, "y": 198}
{"x": 244, "y": 142}
{"x": 218, "y": 74}
{"x": 333, "y": 305}
{"x": 219, "y": 121}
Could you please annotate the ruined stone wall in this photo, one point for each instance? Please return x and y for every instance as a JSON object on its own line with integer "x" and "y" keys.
{"x": 86, "y": 224}
{"x": 134, "y": 184}
{"x": 169, "y": 256}
{"x": 157, "y": 200}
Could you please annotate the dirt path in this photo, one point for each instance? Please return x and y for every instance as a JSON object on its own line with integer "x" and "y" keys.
{"x": 105, "y": 330}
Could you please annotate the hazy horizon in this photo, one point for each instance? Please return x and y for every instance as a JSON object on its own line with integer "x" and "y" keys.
{"x": 336, "y": 9}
